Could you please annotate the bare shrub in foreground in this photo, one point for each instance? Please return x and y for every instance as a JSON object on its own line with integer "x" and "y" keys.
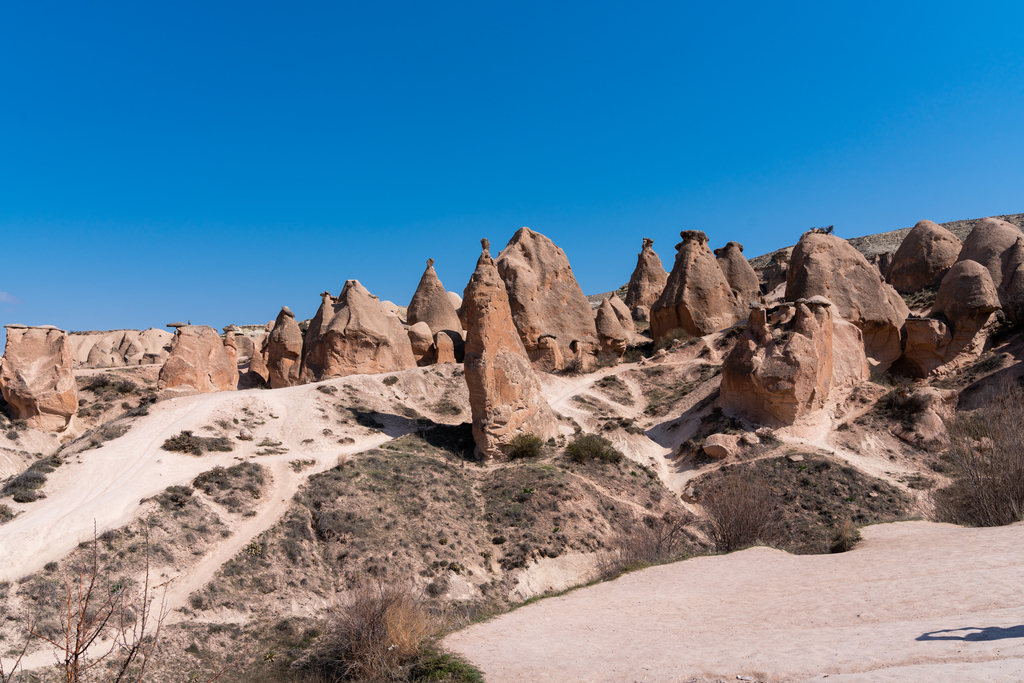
{"x": 648, "y": 541}
{"x": 986, "y": 455}
{"x": 741, "y": 511}
{"x": 378, "y": 634}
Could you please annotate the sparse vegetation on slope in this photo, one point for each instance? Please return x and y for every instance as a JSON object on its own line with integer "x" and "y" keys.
{"x": 187, "y": 442}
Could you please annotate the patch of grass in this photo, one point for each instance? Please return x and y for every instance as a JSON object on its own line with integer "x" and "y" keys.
{"x": 741, "y": 512}
{"x": 592, "y": 448}
{"x": 446, "y": 406}
{"x": 661, "y": 400}
{"x": 845, "y": 537}
{"x": 615, "y": 389}
{"x": 187, "y": 442}
{"x": 922, "y": 298}
{"x": 106, "y": 385}
{"x": 647, "y": 542}
{"x": 107, "y": 432}
{"x": 234, "y": 487}
{"x": 24, "y": 487}
{"x": 174, "y": 497}
{"x": 390, "y": 381}
{"x": 527, "y": 445}
{"x": 6, "y": 513}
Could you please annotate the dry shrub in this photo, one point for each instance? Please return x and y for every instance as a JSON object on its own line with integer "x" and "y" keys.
{"x": 845, "y": 537}
{"x": 527, "y": 445}
{"x": 986, "y": 456}
{"x": 741, "y": 511}
{"x": 645, "y": 542}
{"x": 378, "y": 635}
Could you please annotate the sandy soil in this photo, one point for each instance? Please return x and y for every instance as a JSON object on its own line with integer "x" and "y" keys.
{"x": 915, "y": 601}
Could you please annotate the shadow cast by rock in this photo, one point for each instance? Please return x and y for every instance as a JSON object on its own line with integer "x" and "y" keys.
{"x": 975, "y": 633}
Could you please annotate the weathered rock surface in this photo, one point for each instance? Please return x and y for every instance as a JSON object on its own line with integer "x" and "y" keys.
{"x": 926, "y": 428}
{"x": 354, "y": 335}
{"x": 432, "y": 305}
{"x": 738, "y": 273}
{"x": 36, "y": 377}
{"x": 444, "y": 348}
{"x": 925, "y": 255}
{"x": 504, "y": 394}
{"x": 613, "y": 337}
{"x": 648, "y": 279}
{"x": 119, "y": 348}
{"x": 284, "y": 351}
{"x": 544, "y": 297}
{"x": 825, "y": 265}
{"x": 422, "y": 341}
{"x": 697, "y": 297}
{"x": 259, "y": 374}
{"x": 999, "y": 247}
{"x": 200, "y": 359}
{"x": 775, "y": 376}
{"x": 721, "y": 446}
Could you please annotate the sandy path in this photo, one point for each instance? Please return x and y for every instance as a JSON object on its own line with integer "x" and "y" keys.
{"x": 915, "y": 601}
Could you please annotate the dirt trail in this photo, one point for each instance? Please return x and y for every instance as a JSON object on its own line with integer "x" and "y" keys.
{"x": 914, "y": 601}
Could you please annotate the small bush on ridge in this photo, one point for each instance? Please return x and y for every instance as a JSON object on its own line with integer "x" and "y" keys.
{"x": 587, "y": 447}
{"x": 527, "y": 445}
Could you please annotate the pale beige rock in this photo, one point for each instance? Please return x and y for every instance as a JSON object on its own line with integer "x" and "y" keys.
{"x": 993, "y": 244}
{"x": 544, "y": 296}
{"x": 504, "y": 395}
{"x": 775, "y": 376}
{"x": 354, "y": 335}
{"x": 432, "y": 305}
{"x": 118, "y": 348}
{"x": 259, "y": 374}
{"x": 456, "y": 302}
{"x": 967, "y": 294}
{"x": 246, "y": 348}
{"x": 610, "y": 333}
{"x": 648, "y": 279}
{"x": 927, "y": 340}
{"x": 927, "y": 428}
{"x": 422, "y": 341}
{"x": 721, "y": 446}
{"x": 697, "y": 297}
{"x": 36, "y": 377}
{"x": 738, "y": 273}
{"x": 202, "y": 360}
{"x": 823, "y": 264}
{"x": 925, "y": 255}
{"x": 642, "y": 313}
{"x": 284, "y": 351}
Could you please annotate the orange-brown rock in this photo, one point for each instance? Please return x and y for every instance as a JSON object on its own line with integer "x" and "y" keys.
{"x": 648, "y": 279}
{"x": 967, "y": 292}
{"x": 775, "y": 376}
{"x": 613, "y": 337}
{"x": 544, "y": 296}
{"x": 504, "y": 394}
{"x": 444, "y": 348}
{"x": 992, "y": 243}
{"x": 259, "y": 374}
{"x": 117, "y": 348}
{"x": 354, "y": 335}
{"x": 284, "y": 351}
{"x": 200, "y": 359}
{"x": 623, "y": 313}
{"x": 697, "y": 297}
{"x": 738, "y": 273}
{"x": 925, "y": 255}
{"x": 926, "y": 428}
{"x": 422, "y": 341}
{"x": 722, "y": 446}
{"x": 432, "y": 305}
{"x": 36, "y": 377}
{"x": 825, "y": 265}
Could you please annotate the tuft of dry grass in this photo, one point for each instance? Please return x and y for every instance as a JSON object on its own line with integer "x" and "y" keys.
{"x": 986, "y": 458}
{"x": 646, "y": 542}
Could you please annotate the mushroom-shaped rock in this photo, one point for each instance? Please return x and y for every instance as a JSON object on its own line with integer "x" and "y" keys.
{"x": 544, "y": 296}
{"x": 258, "y": 373}
{"x": 828, "y": 265}
{"x": 966, "y": 291}
{"x": 456, "y": 304}
{"x": 354, "y": 336}
{"x": 432, "y": 305}
{"x": 776, "y": 377}
{"x": 284, "y": 350}
{"x": 613, "y": 337}
{"x": 504, "y": 395}
{"x": 623, "y": 314}
{"x": 36, "y": 377}
{"x": 992, "y": 243}
{"x": 697, "y": 297}
{"x": 738, "y": 273}
{"x": 925, "y": 255}
{"x": 648, "y": 279}
{"x": 200, "y": 359}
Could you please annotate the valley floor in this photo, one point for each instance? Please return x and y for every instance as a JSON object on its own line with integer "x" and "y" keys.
{"x": 914, "y": 601}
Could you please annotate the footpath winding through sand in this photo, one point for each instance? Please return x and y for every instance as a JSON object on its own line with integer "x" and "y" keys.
{"x": 915, "y": 601}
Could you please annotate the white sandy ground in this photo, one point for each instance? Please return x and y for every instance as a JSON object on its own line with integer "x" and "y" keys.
{"x": 914, "y": 601}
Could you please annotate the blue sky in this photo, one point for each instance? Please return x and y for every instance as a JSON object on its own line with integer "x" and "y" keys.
{"x": 213, "y": 161}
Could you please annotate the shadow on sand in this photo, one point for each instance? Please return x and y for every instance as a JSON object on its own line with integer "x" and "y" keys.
{"x": 975, "y": 633}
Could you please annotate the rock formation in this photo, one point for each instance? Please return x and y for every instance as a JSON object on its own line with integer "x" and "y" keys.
{"x": 648, "y": 279}
{"x": 444, "y": 349}
{"x": 774, "y": 377}
{"x": 422, "y": 341}
{"x": 259, "y": 374}
{"x": 999, "y": 247}
{"x": 697, "y": 297}
{"x": 119, "y": 348}
{"x": 504, "y": 394}
{"x": 623, "y": 313}
{"x": 925, "y": 255}
{"x": 432, "y": 305}
{"x": 284, "y": 351}
{"x": 825, "y": 265}
{"x": 200, "y": 359}
{"x": 966, "y": 300}
{"x": 36, "y": 377}
{"x": 926, "y": 428}
{"x": 545, "y": 298}
{"x": 613, "y": 337}
{"x": 738, "y": 273}
{"x": 354, "y": 335}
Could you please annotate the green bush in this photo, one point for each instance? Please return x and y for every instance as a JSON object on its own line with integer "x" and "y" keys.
{"x": 588, "y": 447}
{"x": 527, "y": 445}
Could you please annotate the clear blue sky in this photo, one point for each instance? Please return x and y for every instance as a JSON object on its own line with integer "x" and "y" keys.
{"x": 212, "y": 161}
